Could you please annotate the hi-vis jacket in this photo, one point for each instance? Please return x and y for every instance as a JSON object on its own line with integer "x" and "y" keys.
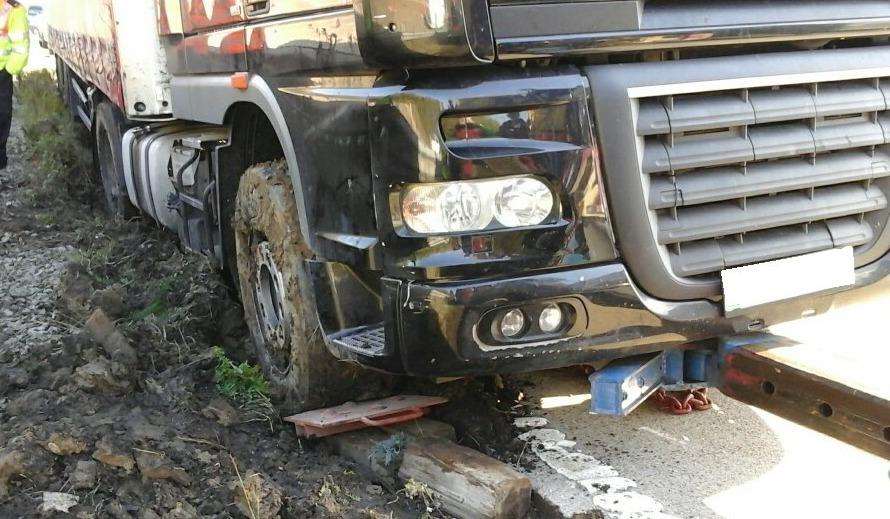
{"x": 14, "y": 44}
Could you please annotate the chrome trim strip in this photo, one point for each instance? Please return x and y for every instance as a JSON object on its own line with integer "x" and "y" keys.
{"x": 755, "y": 82}
{"x": 555, "y": 45}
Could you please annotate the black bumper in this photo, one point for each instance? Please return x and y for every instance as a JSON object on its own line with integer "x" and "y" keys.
{"x": 430, "y": 328}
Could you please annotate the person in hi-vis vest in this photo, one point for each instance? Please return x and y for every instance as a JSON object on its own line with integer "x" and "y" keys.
{"x": 14, "y": 48}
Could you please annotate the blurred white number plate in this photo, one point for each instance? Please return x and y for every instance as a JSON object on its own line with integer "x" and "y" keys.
{"x": 772, "y": 281}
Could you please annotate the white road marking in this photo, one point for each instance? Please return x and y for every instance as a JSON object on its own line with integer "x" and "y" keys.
{"x": 529, "y": 422}
{"x": 611, "y": 491}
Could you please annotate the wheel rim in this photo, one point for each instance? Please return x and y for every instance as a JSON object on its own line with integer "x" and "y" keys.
{"x": 273, "y": 318}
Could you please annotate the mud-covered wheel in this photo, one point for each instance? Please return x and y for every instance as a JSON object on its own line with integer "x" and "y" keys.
{"x": 110, "y": 163}
{"x": 279, "y": 306}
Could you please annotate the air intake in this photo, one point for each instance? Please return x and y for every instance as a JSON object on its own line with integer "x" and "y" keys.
{"x": 744, "y": 176}
{"x": 744, "y": 159}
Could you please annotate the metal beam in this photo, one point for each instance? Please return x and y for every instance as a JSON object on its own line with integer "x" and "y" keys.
{"x": 750, "y": 375}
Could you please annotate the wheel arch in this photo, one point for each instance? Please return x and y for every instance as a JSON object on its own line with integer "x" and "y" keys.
{"x": 212, "y": 99}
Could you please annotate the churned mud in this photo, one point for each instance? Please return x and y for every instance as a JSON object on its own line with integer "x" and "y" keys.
{"x": 109, "y": 399}
{"x": 134, "y": 426}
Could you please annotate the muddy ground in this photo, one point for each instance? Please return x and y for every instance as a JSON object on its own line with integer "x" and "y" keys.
{"x": 90, "y": 428}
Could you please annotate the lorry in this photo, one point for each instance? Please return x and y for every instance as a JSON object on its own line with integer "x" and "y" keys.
{"x": 442, "y": 188}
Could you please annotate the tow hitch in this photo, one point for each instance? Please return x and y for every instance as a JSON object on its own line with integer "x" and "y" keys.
{"x": 755, "y": 369}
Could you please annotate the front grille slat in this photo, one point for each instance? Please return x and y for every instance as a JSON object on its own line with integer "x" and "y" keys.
{"x": 727, "y": 218}
{"x": 786, "y": 104}
{"x": 848, "y": 98}
{"x": 705, "y": 150}
{"x": 706, "y": 256}
{"x": 741, "y": 176}
{"x": 781, "y": 140}
{"x": 762, "y": 178}
{"x": 714, "y": 111}
{"x": 653, "y": 119}
{"x": 848, "y": 135}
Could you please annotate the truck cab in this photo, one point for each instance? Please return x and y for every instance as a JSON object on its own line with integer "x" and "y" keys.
{"x": 486, "y": 186}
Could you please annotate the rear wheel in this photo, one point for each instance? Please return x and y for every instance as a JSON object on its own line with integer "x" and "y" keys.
{"x": 109, "y": 161}
{"x": 279, "y": 306}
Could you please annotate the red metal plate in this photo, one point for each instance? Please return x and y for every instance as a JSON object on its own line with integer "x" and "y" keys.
{"x": 357, "y": 415}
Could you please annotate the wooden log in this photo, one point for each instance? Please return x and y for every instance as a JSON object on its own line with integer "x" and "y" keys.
{"x": 424, "y": 429}
{"x": 363, "y": 445}
{"x": 467, "y": 483}
{"x": 464, "y": 482}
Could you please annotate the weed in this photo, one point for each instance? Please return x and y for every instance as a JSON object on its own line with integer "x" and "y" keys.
{"x": 418, "y": 491}
{"x": 241, "y": 382}
{"x": 45, "y": 219}
{"x": 334, "y": 498}
{"x": 244, "y": 384}
{"x": 158, "y": 307}
{"x": 55, "y": 145}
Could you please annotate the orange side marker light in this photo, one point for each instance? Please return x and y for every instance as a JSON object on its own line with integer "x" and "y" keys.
{"x": 240, "y": 80}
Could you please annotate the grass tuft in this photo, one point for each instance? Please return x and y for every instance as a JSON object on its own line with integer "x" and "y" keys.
{"x": 241, "y": 382}
{"x": 245, "y": 385}
{"x": 56, "y": 148}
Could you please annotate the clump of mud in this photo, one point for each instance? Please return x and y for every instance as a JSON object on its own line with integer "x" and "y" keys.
{"x": 482, "y": 411}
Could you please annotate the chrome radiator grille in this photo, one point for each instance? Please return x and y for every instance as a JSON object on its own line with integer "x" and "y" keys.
{"x": 741, "y": 176}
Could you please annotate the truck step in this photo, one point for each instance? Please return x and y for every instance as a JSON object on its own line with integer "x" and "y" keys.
{"x": 365, "y": 340}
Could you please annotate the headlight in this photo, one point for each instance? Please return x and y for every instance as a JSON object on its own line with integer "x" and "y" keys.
{"x": 475, "y": 205}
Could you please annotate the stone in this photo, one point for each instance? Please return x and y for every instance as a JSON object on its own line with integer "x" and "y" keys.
{"x": 183, "y": 510}
{"x": 157, "y": 466}
{"x": 13, "y": 378}
{"x": 75, "y": 289}
{"x": 221, "y": 410}
{"x": 85, "y": 475}
{"x": 64, "y": 445}
{"x": 110, "y": 299}
{"x": 12, "y": 463}
{"x": 33, "y": 401}
{"x": 142, "y": 429}
{"x": 58, "y": 502}
{"x": 99, "y": 375}
{"x": 106, "y": 333}
{"x": 108, "y": 454}
{"x": 529, "y": 422}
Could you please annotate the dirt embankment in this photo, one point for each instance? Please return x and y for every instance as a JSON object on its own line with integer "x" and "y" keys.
{"x": 109, "y": 406}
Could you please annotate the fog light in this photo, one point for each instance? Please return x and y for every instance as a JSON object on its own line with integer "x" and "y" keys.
{"x": 512, "y": 323}
{"x": 550, "y": 319}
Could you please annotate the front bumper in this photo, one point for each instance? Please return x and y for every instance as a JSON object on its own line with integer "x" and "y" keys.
{"x": 430, "y": 328}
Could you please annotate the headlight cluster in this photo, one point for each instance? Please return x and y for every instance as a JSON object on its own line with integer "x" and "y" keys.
{"x": 476, "y": 205}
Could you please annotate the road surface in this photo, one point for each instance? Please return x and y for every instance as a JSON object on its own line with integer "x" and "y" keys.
{"x": 735, "y": 461}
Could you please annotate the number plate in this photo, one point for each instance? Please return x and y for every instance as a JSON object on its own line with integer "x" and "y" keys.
{"x": 779, "y": 280}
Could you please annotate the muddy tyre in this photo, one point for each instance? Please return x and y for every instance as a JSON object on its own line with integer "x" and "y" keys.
{"x": 109, "y": 161}
{"x": 278, "y": 301}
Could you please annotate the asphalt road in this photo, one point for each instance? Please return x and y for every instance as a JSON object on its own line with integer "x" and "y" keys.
{"x": 736, "y": 461}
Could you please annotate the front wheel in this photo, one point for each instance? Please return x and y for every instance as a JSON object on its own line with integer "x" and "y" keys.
{"x": 278, "y": 300}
